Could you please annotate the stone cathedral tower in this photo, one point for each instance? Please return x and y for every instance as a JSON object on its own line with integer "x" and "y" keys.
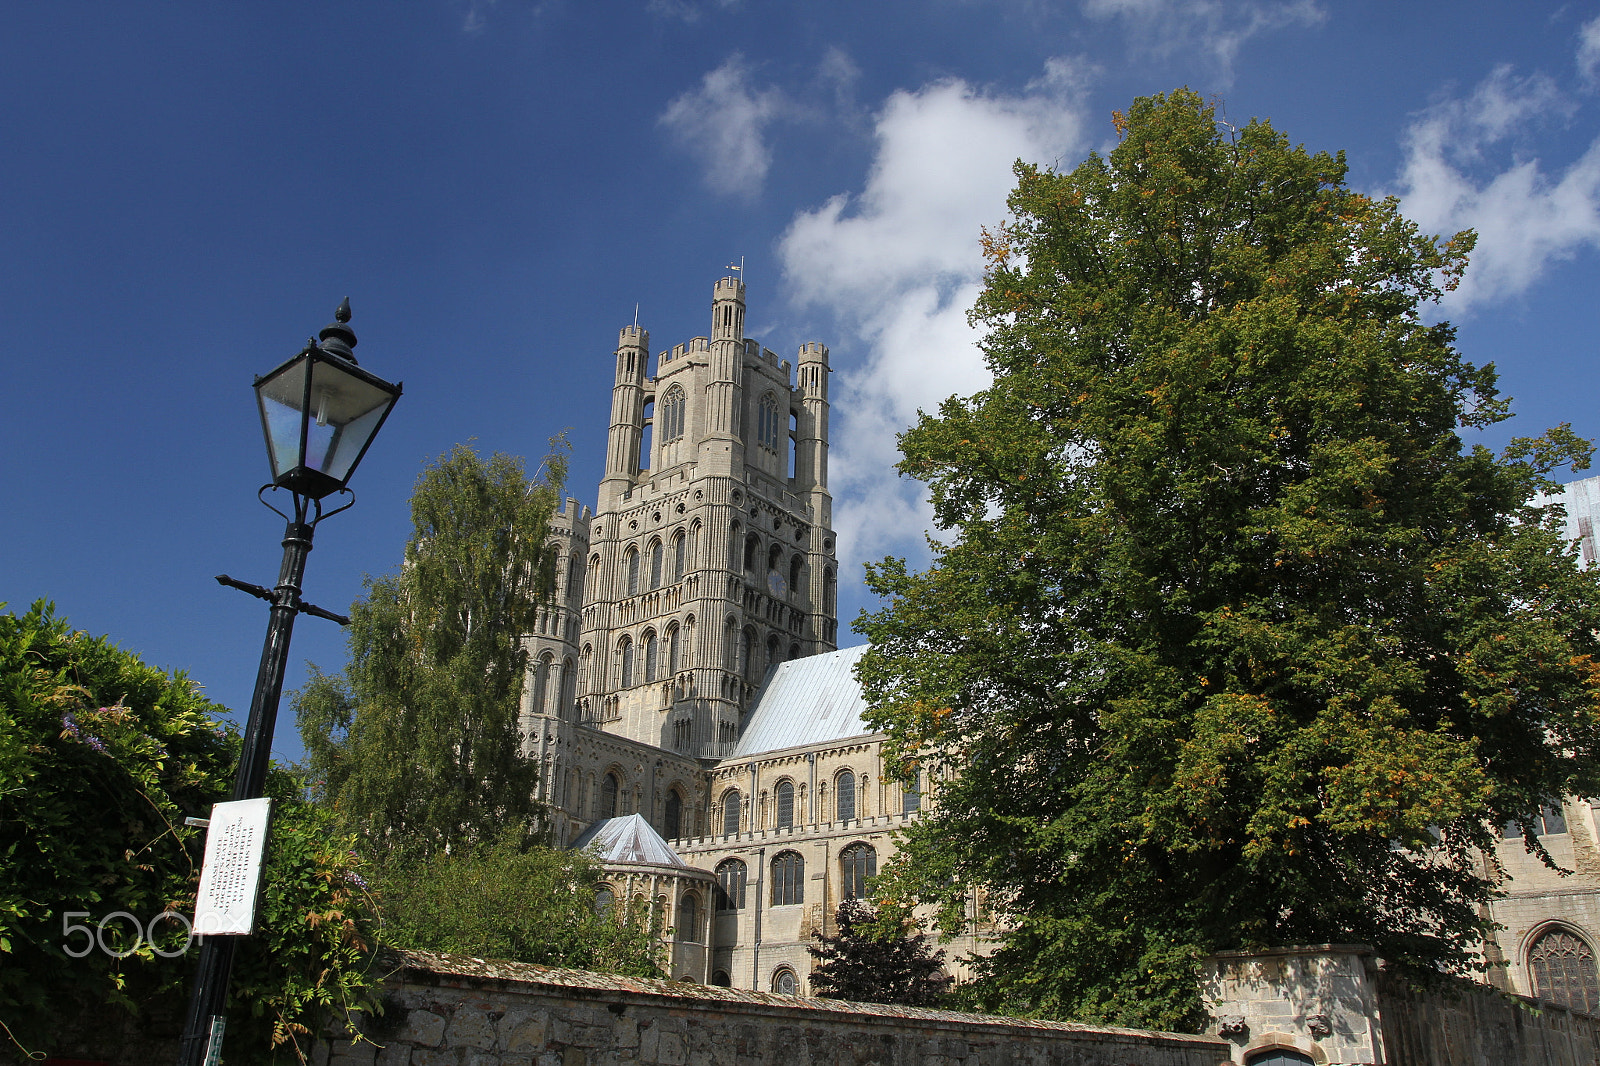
{"x": 710, "y": 553}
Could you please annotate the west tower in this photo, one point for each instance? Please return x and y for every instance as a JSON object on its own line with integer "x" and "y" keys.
{"x": 710, "y": 555}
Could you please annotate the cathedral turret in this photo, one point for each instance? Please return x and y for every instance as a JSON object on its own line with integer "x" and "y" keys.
{"x": 811, "y": 430}
{"x": 727, "y": 362}
{"x": 627, "y": 412}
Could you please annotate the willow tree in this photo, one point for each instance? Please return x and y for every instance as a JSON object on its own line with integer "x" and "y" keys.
{"x": 1232, "y": 642}
{"x": 417, "y": 745}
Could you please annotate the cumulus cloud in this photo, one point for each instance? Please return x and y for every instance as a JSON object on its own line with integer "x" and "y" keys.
{"x": 896, "y": 265}
{"x": 1216, "y": 29}
{"x": 723, "y": 122}
{"x": 1462, "y": 169}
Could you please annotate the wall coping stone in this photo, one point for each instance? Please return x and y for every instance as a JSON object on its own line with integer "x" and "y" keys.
{"x": 429, "y": 967}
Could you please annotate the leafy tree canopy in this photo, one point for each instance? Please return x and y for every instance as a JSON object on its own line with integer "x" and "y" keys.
{"x": 1228, "y": 622}
{"x": 868, "y": 962}
{"x": 101, "y": 759}
{"x": 417, "y": 745}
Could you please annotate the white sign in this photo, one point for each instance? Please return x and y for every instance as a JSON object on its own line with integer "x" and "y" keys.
{"x": 231, "y": 876}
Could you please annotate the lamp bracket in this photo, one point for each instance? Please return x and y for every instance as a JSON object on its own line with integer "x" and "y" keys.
{"x": 300, "y": 505}
{"x": 262, "y": 593}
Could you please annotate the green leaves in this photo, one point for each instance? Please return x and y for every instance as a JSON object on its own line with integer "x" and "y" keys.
{"x": 1227, "y": 624}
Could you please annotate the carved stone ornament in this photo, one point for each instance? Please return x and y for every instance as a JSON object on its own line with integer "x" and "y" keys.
{"x": 1319, "y": 1026}
{"x": 1232, "y": 1026}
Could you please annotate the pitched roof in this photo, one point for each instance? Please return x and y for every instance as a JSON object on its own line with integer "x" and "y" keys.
{"x": 806, "y": 701}
{"x": 628, "y": 838}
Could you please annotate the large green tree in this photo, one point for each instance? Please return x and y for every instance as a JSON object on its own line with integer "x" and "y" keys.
{"x": 1232, "y": 642}
{"x": 417, "y": 745}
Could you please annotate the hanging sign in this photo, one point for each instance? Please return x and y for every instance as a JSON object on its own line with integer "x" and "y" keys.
{"x": 230, "y": 880}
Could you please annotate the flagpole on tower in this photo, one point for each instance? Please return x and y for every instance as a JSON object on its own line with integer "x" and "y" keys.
{"x": 740, "y": 269}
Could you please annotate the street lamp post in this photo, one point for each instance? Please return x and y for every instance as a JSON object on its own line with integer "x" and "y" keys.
{"x": 319, "y": 412}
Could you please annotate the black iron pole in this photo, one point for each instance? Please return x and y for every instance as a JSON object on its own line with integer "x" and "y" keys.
{"x": 210, "y": 996}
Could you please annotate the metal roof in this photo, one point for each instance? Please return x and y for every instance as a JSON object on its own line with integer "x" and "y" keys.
{"x": 806, "y": 701}
{"x": 628, "y": 838}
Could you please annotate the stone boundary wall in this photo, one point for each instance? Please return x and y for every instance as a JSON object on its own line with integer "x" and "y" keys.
{"x": 1470, "y": 1024}
{"x": 468, "y": 1012}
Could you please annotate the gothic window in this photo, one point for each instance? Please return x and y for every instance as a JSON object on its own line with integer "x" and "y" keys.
{"x": 603, "y": 899}
{"x": 747, "y": 642}
{"x": 730, "y": 813}
{"x": 648, "y": 646}
{"x": 752, "y": 545}
{"x": 794, "y": 652}
{"x": 775, "y": 557}
{"x": 689, "y": 918}
{"x": 674, "y": 658}
{"x": 911, "y": 793}
{"x": 625, "y": 663}
{"x": 785, "y": 804}
{"x": 788, "y": 879}
{"x": 608, "y": 796}
{"x": 844, "y": 796}
{"x": 694, "y": 543}
{"x": 767, "y": 422}
{"x": 829, "y": 591}
{"x": 730, "y": 885}
{"x": 541, "y": 678}
{"x": 586, "y": 669}
{"x": 1564, "y": 970}
{"x": 784, "y": 982}
{"x": 573, "y": 575}
{"x": 631, "y": 566}
{"x": 655, "y": 564}
{"x": 682, "y": 734}
{"x": 857, "y": 863}
{"x": 730, "y": 646}
{"x": 773, "y": 651}
{"x": 672, "y": 415}
{"x": 680, "y": 556}
{"x": 569, "y": 688}
{"x": 734, "y": 540}
{"x": 794, "y": 571}
{"x": 721, "y": 979}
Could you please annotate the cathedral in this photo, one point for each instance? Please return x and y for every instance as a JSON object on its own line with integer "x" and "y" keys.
{"x": 697, "y": 726}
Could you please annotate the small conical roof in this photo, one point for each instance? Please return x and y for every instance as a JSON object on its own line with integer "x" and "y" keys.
{"x": 628, "y": 838}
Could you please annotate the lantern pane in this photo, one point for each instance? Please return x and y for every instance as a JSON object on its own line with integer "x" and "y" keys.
{"x": 345, "y": 412}
{"x": 280, "y": 396}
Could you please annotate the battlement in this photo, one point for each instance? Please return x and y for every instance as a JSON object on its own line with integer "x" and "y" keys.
{"x": 633, "y": 337}
{"x": 729, "y": 289}
{"x": 699, "y": 344}
{"x": 571, "y": 517}
{"x": 813, "y": 352}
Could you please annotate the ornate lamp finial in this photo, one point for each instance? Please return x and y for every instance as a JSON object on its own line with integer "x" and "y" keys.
{"x": 336, "y": 337}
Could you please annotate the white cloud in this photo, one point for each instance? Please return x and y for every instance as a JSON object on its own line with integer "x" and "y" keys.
{"x": 723, "y": 123}
{"x": 896, "y": 266}
{"x": 687, "y": 10}
{"x": 1589, "y": 49}
{"x": 1217, "y": 29}
{"x": 1451, "y": 180}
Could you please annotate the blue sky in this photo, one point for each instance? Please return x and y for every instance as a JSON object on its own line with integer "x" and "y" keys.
{"x": 188, "y": 190}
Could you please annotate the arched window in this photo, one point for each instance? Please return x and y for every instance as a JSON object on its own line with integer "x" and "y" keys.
{"x": 767, "y": 422}
{"x": 730, "y": 646}
{"x": 694, "y": 545}
{"x": 608, "y": 796}
{"x": 672, "y": 818}
{"x": 735, "y": 539}
{"x": 1563, "y": 970}
{"x": 788, "y": 879}
{"x": 674, "y": 657}
{"x": 911, "y": 793}
{"x": 730, "y": 885}
{"x": 784, "y": 982}
{"x": 603, "y": 899}
{"x": 671, "y": 415}
{"x": 785, "y": 804}
{"x": 752, "y": 546}
{"x": 857, "y": 863}
{"x": 586, "y": 669}
{"x": 721, "y": 979}
{"x": 830, "y": 592}
{"x": 569, "y": 688}
{"x": 747, "y": 648}
{"x": 680, "y": 556}
{"x": 631, "y": 565}
{"x": 730, "y": 812}
{"x": 775, "y": 557}
{"x": 594, "y": 571}
{"x": 541, "y": 678}
{"x": 648, "y": 646}
{"x": 625, "y": 663}
{"x": 655, "y": 564}
{"x": 774, "y": 652}
{"x": 844, "y": 796}
{"x": 1279, "y": 1056}
{"x": 689, "y": 918}
{"x": 574, "y": 594}
{"x": 795, "y": 566}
